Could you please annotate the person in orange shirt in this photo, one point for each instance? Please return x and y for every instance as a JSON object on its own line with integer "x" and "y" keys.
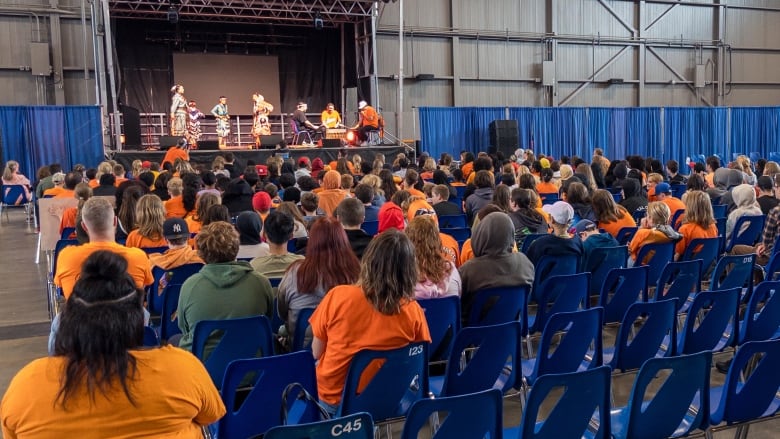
{"x": 100, "y": 223}
{"x": 545, "y": 185}
{"x": 663, "y": 193}
{"x": 654, "y": 229}
{"x": 409, "y": 182}
{"x": 653, "y": 180}
{"x": 70, "y": 216}
{"x": 179, "y": 251}
{"x": 100, "y": 371}
{"x": 331, "y": 193}
{"x": 378, "y": 312}
{"x": 468, "y": 164}
{"x": 174, "y": 207}
{"x": 342, "y": 154}
{"x": 368, "y": 121}
{"x": 699, "y": 221}
{"x": 195, "y": 219}
{"x": 330, "y": 118}
{"x": 179, "y": 151}
{"x": 611, "y": 216}
{"x": 149, "y": 217}
{"x": 59, "y": 180}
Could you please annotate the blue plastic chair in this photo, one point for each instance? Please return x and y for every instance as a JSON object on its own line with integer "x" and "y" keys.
{"x": 357, "y": 426}
{"x": 55, "y": 293}
{"x": 720, "y": 223}
{"x": 676, "y": 220}
{"x": 577, "y": 396}
{"x": 734, "y": 271}
{"x": 370, "y": 227}
{"x": 655, "y": 256}
{"x": 150, "y": 337}
{"x": 710, "y": 318}
{"x": 301, "y": 327}
{"x": 600, "y": 262}
{"x": 460, "y": 191}
{"x": 260, "y": 409}
{"x": 550, "y": 198}
{"x": 529, "y": 239}
{"x": 443, "y": 318}
{"x": 625, "y": 235}
{"x": 681, "y": 281}
{"x": 474, "y": 415}
{"x": 762, "y": 316}
{"x": 248, "y": 337}
{"x": 579, "y": 348}
{"x": 548, "y": 266}
{"x": 452, "y": 221}
{"x": 492, "y": 365}
{"x": 638, "y": 215}
{"x": 621, "y": 288}
{"x": 174, "y": 276}
{"x": 493, "y": 306}
{"x": 401, "y": 380}
{"x": 749, "y": 236}
{"x": 14, "y": 196}
{"x": 719, "y": 210}
{"x": 678, "y": 190}
{"x": 154, "y": 250}
{"x": 655, "y": 338}
{"x": 680, "y": 406}
{"x": 460, "y": 234}
{"x": 618, "y": 197}
{"x": 706, "y": 249}
{"x": 565, "y": 293}
{"x": 750, "y": 389}
{"x": 67, "y": 232}
{"x": 169, "y": 318}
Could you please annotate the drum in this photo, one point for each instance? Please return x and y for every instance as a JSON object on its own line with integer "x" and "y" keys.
{"x": 336, "y": 133}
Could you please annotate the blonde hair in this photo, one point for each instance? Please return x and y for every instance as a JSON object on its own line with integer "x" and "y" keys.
{"x": 357, "y": 161}
{"x": 583, "y": 168}
{"x": 374, "y": 181}
{"x": 104, "y": 168}
{"x": 429, "y": 164}
{"x": 150, "y": 216}
{"x": 698, "y": 209}
{"x": 745, "y": 162}
{"x": 136, "y": 167}
{"x": 658, "y": 212}
{"x": 203, "y": 204}
{"x": 175, "y": 186}
{"x": 10, "y": 169}
{"x": 218, "y": 164}
{"x": 655, "y": 178}
{"x": 82, "y": 193}
{"x": 771, "y": 168}
{"x": 566, "y": 172}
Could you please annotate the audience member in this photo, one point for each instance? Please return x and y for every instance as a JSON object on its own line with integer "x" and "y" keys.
{"x": 592, "y": 239}
{"x": 767, "y": 197}
{"x": 331, "y": 194}
{"x": 611, "y": 216}
{"x": 365, "y": 194}
{"x": 261, "y": 203}
{"x": 351, "y": 214}
{"x": 698, "y": 223}
{"x": 663, "y": 193}
{"x": 149, "y": 219}
{"x": 277, "y": 231}
{"x": 483, "y": 194}
{"x": 238, "y": 197}
{"x": 174, "y": 206}
{"x": 249, "y": 226}
{"x": 177, "y": 235}
{"x": 558, "y": 243}
{"x": 437, "y": 275}
{"x": 745, "y": 200}
{"x": 653, "y": 229}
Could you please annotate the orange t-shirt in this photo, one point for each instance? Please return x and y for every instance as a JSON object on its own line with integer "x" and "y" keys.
{"x": 350, "y": 166}
{"x": 450, "y": 248}
{"x": 330, "y": 199}
{"x": 54, "y": 192}
{"x": 175, "y": 257}
{"x": 173, "y": 154}
{"x": 369, "y": 117}
{"x": 651, "y": 195}
{"x": 467, "y": 169}
{"x": 174, "y": 207}
{"x": 614, "y": 227}
{"x": 546, "y": 188}
{"x": 119, "y": 180}
{"x": 466, "y": 252}
{"x": 65, "y": 193}
{"x": 68, "y": 218}
{"x": 193, "y": 225}
{"x": 173, "y": 393}
{"x": 414, "y": 192}
{"x": 94, "y": 183}
{"x": 70, "y": 260}
{"x": 346, "y": 322}
{"x": 674, "y": 205}
{"x": 691, "y": 231}
{"x": 134, "y": 239}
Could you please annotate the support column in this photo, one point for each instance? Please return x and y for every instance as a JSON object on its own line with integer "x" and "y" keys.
{"x": 109, "y": 41}
{"x": 641, "y": 59}
{"x": 456, "y": 58}
{"x": 56, "y": 55}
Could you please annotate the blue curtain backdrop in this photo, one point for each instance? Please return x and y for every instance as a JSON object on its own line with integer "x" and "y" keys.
{"x": 692, "y": 132}
{"x": 451, "y": 130}
{"x": 623, "y": 131}
{"x": 38, "y": 136}
{"x": 755, "y": 130}
{"x": 557, "y": 131}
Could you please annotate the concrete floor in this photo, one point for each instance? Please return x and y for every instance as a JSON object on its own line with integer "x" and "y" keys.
{"x": 24, "y": 321}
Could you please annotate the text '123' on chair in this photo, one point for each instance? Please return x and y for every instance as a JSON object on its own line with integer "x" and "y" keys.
{"x": 648, "y": 330}
{"x": 357, "y": 426}
{"x": 734, "y": 271}
{"x": 473, "y": 415}
{"x": 678, "y": 407}
{"x": 254, "y": 406}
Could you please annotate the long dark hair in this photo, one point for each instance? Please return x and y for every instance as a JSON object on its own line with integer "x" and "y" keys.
{"x": 102, "y": 320}
{"x": 329, "y": 258}
{"x": 191, "y": 185}
{"x": 388, "y": 185}
{"x": 388, "y": 272}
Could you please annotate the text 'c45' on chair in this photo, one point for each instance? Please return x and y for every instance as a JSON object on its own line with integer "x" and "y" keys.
{"x": 357, "y": 426}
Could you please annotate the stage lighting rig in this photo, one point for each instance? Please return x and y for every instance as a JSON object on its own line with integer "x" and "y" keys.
{"x": 318, "y": 23}
{"x": 173, "y": 11}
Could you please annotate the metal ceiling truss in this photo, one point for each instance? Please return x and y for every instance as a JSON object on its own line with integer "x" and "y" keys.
{"x": 295, "y": 12}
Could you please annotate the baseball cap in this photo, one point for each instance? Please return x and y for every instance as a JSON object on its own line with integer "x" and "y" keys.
{"x": 261, "y": 201}
{"x": 303, "y": 161}
{"x": 262, "y": 170}
{"x": 560, "y": 211}
{"x": 175, "y": 228}
{"x": 584, "y": 226}
{"x": 58, "y": 177}
{"x": 146, "y": 164}
{"x": 663, "y": 188}
{"x": 362, "y": 105}
{"x": 765, "y": 183}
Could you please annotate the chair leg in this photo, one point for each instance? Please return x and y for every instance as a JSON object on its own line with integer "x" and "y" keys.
{"x": 38, "y": 250}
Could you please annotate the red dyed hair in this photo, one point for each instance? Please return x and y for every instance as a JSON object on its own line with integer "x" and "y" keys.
{"x": 329, "y": 258}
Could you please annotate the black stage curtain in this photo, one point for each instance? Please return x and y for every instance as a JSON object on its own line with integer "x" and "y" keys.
{"x": 145, "y": 70}
{"x": 311, "y": 73}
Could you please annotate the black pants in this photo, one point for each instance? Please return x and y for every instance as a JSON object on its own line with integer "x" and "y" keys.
{"x": 363, "y": 131}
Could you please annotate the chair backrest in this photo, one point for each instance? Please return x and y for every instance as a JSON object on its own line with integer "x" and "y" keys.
{"x": 564, "y": 293}
{"x": 460, "y": 234}
{"x": 600, "y": 261}
{"x": 711, "y": 323}
{"x": 493, "y": 365}
{"x": 678, "y": 190}
{"x": 750, "y": 389}
{"x": 301, "y": 327}
{"x": 679, "y": 406}
{"x": 67, "y": 232}
{"x": 625, "y": 235}
{"x": 61, "y": 244}
{"x": 260, "y": 410}
{"x": 451, "y": 221}
{"x": 14, "y": 195}
{"x": 762, "y": 317}
{"x": 474, "y": 415}
{"x": 493, "y": 306}
{"x": 747, "y": 231}
{"x": 621, "y": 288}
{"x": 169, "y": 318}
{"x": 679, "y": 280}
{"x": 150, "y": 337}
{"x": 549, "y": 265}
{"x": 654, "y": 338}
{"x": 577, "y": 397}
{"x": 676, "y": 220}
{"x": 772, "y": 269}
{"x": 357, "y": 426}
{"x": 529, "y": 239}
{"x": 706, "y": 249}
{"x": 247, "y": 337}
{"x": 638, "y": 215}
{"x": 580, "y": 345}
{"x": 460, "y": 191}
{"x": 400, "y": 380}
{"x": 655, "y": 256}
{"x": 443, "y": 318}
{"x": 617, "y": 197}
{"x": 173, "y": 276}
{"x": 153, "y": 250}
{"x": 719, "y": 210}
{"x": 370, "y": 227}
{"x": 720, "y": 224}
{"x": 733, "y": 271}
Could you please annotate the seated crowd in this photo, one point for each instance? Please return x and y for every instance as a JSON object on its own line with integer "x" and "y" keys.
{"x": 358, "y": 241}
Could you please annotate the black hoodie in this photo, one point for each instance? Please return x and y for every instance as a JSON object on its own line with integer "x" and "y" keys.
{"x": 633, "y": 200}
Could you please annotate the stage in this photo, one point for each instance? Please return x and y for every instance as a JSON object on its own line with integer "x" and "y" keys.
{"x": 259, "y": 156}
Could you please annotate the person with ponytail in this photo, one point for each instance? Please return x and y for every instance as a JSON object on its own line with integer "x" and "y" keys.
{"x": 101, "y": 382}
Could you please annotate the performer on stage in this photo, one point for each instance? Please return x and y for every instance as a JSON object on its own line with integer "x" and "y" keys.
{"x": 330, "y": 117}
{"x": 221, "y": 114}
{"x": 261, "y": 125}
{"x": 303, "y": 124}
{"x": 193, "y": 124}
{"x": 178, "y": 115}
{"x": 369, "y": 121}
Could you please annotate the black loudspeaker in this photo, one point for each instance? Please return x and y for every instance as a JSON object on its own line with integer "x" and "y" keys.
{"x": 131, "y": 126}
{"x": 208, "y": 145}
{"x": 270, "y": 141}
{"x": 504, "y": 135}
{"x": 331, "y": 143}
{"x": 168, "y": 141}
